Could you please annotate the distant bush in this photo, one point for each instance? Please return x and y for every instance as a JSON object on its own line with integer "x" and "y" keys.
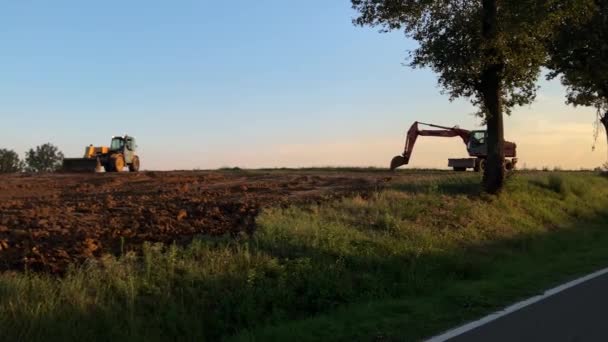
{"x": 45, "y": 158}
{"x": 9, "y": 161}
{"x": 228, "y": 168}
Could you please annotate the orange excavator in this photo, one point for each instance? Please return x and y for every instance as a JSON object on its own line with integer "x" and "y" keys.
{"x": 474, "y": 140}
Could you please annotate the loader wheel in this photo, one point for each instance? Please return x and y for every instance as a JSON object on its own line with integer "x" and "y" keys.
{"x": 134, "y": 166}
{"x": 117, "y": 163}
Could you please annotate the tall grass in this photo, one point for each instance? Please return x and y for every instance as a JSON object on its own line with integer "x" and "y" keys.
{"x": 411, "y": 240}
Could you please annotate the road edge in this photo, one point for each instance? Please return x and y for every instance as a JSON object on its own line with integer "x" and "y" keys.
{"x": 513, "y": 308}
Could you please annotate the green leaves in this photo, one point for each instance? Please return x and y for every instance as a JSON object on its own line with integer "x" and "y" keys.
{"x": 451, "y": 43}
{"x": 45, "y": 158}
{"x": 579, "y": 53}
{"x": 9, "y": 161}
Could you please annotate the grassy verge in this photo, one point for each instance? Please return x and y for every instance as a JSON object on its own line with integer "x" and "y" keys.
{"x": 405, "y": 263}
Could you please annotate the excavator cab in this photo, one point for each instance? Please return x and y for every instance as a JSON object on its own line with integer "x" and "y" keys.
{"x": 477, "y": 143}
{"x": 478, "y": 138}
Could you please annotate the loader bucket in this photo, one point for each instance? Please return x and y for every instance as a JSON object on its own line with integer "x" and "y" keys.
{"x": 397, "y": 161}
{"x": 81, "y": 165}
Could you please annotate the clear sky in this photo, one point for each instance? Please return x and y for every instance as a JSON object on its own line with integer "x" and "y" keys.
{"x": 268, "y": 83}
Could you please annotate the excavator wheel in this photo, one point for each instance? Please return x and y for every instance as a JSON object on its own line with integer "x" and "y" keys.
{"x": 117, "y": 163}
{"x": 134, "y": 166}
{"x": 397, "y": 161}
{"x": 480, "y": 165}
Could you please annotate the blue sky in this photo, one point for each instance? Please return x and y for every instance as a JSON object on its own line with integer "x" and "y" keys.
{"x": 205, "y": 84}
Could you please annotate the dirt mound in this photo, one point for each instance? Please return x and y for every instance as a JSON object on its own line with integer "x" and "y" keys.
{"x": 50, "y": 221}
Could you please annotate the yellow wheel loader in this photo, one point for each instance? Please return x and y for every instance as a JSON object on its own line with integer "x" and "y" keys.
{"x": 120, "y": 154}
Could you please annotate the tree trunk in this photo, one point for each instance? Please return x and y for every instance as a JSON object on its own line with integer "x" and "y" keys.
{"x": 491, "y": 83}
{"x": 604, "y": 121}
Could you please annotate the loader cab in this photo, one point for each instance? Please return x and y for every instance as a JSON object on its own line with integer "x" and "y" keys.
{"x": 126, "y": 146}
{"x": 117, "y": 144}
{"x": 477, "y": 143}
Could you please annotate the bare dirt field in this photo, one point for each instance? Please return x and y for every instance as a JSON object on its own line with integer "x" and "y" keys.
{"x": 50, "y": 221}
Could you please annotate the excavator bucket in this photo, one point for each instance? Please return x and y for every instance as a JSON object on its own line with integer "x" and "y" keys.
{"x": 81, "y": 165}
{"x": 397, "y": 161}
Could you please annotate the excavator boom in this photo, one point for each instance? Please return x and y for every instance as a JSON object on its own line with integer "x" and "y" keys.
{"x": 414, "y": 132}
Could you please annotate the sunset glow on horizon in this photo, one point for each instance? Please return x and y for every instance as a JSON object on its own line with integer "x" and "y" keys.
{"x": 201, "y": 88}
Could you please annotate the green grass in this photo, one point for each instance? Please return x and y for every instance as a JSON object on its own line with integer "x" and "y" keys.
{"x": 405, "y": 263}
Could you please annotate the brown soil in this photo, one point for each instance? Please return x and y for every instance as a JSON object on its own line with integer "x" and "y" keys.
{"x": 50, "y": 221}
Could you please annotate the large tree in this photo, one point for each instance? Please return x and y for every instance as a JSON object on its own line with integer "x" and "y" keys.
{"x": 45, "y": 158}
{"x": 9, "y": 161}
{"x": 579, "y": 54}
{"x": 488, "y": 51}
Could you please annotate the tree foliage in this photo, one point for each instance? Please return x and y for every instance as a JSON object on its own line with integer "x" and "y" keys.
{"x": 9, "y": 161}
{"x": 579, "y": 56}
{"x": 489, "y": 51}
{"x": 449, "y": 33}
{"x": 45, "y": 158}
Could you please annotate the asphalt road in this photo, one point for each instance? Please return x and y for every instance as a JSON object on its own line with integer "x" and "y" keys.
{"x": 579, "y": 313}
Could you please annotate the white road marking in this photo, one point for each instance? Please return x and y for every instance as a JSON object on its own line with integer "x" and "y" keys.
{"x": 511, "y": 309}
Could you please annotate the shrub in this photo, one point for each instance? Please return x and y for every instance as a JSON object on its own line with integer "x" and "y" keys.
{"x": 9, "y": 161}
{"x": 45, "y": 158}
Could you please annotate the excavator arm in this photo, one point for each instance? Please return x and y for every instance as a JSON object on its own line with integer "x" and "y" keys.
{"x": 414, "y": 132}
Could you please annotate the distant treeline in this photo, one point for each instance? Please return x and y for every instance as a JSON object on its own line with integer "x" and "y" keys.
{"x": 43, "y": 158}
